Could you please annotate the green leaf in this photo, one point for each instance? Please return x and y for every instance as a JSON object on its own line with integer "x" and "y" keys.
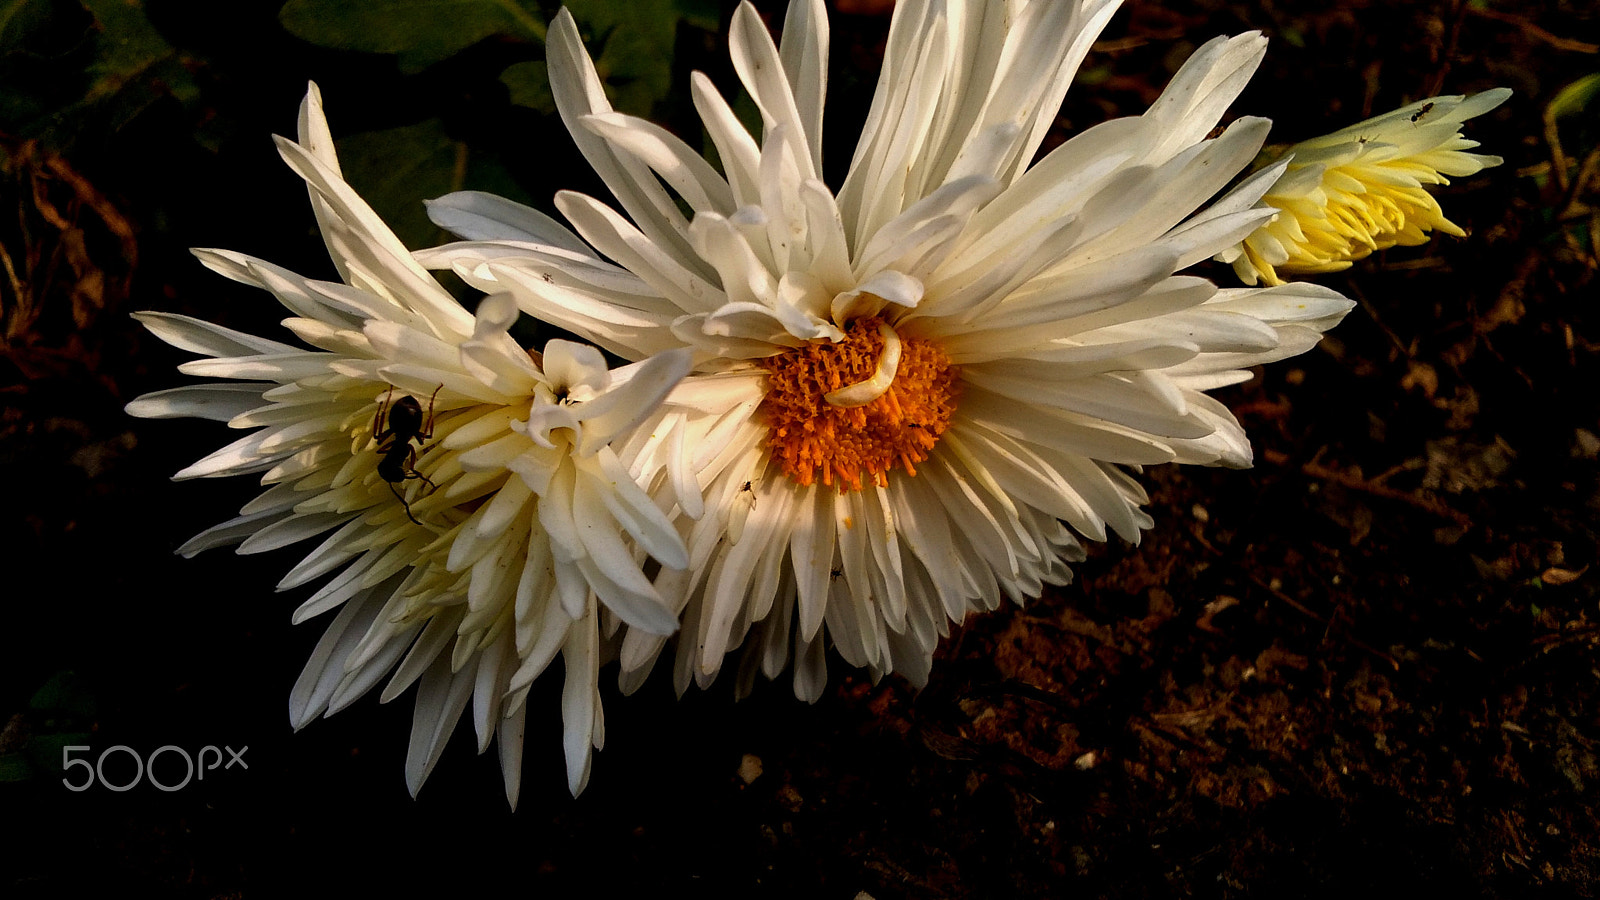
{"x": 19, "y": 20}
{"x": 1574, "y": 98}
{"x": 421, "y": 32}
{"x": 705, "y": 15}
{"x": 632, "y": 42}
{"x": 55, "y": 93}
{"x": 529, "y": 83}
{"x": 634, "y": 53}
{"x": 632, "y": 50}
{"x": 395, "y": 170}
{"x": 28, "y": 45}
{"x": 133, "y": 57}
{"x": 15, "y": 767}
{"x": 44, "y": 751}
{"x": 64, "y": 692}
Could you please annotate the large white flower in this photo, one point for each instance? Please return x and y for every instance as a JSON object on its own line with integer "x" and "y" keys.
{"x": 1362, "y": 189}
{"x": 481, "y": 521}
{"x": 910, "y": 398}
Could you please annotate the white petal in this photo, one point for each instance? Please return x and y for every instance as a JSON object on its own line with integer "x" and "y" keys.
{"x": 206, "y": 339}
{"x": 325, "y": 669}
{"x": 580, "y": 700}
{"x": 290, "y": 529}
{"x": 313, "y": 129}
{"x": 682, "y": 283}
{"x": 479, "y": 216}
{"x": 239, "y": 457}
{"x": 639, "y": 517}
{"x": 511, "y": 731}
{"x": 761, "y": 71}
{"x": 805, "y": 60}
{"x": 626, "y": 404}
{"x": 740, "y": 156}
{"x": 610, "y": 567}
{"x": 377, "y": 257}
{"x": 441, "y": 698}
{"x": 218, "y": 402}
{"x": 578, "y": 92}
{"x": 686, "y": 171}
{"x": 1204, "y": 87}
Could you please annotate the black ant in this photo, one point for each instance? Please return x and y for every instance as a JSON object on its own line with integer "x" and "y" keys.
{"x": 405, "y": 423}
{"x": 1422, "y": 112}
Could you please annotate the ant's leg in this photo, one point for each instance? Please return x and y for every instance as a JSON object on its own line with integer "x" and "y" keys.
{"x": 383, "y": 411}
{"x": 411, "y": 471}
{"x": 396, "y": 492}
{"x": 427, "y": 430}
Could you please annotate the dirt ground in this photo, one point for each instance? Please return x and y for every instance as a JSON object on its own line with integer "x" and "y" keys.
{"x": 1364, "y": 667}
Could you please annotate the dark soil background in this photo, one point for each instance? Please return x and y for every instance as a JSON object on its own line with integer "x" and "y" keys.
{"x": 1365, "y": 667}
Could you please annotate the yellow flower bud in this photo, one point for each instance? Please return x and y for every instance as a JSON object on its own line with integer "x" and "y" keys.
{"x": 1344, "y": 195}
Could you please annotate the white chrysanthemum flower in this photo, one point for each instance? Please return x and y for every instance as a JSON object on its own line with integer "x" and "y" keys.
{"x": 1348, "y": 194}
{"x": 481, "y": 521}
{"x": 912, "y": 397}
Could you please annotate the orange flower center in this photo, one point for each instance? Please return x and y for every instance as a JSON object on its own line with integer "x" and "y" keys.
{"x": 808, "y": 433}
